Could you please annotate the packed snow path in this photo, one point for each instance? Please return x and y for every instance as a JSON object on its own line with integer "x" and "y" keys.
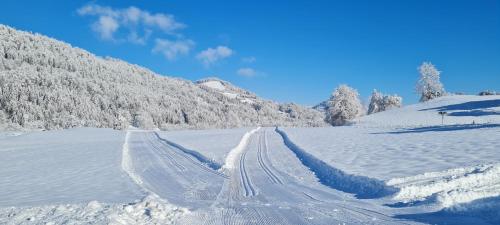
{"x": 170, "y": 173}
{"x": 267, "y": 185}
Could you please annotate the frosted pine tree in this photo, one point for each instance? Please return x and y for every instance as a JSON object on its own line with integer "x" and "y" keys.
{"x": 429, "y": 85}
{"x": 344, "y": 105}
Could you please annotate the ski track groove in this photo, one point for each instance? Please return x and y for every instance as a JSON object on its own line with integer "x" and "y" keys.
{"x": 247, "y": 184}
{"x": 262, "y": 157}
{"x": 161, "y": 152}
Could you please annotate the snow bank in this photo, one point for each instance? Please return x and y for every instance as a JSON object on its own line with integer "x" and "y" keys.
{"x": 232, "y": 157}
{"x": 451, "y": 187}
{"x": 363, "y": 187}
{"x": 150, "y": 210}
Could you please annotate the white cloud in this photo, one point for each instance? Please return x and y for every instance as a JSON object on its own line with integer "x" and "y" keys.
{"x": 171, "y": 49}
{"x": 249, "y": 59}
{"x": 246, "y": 72}
{"x": 139, "y": 24}
{"x": 138, "y": 39}
{"x": 212, "y": 55}
{"x": 105, "y": 27}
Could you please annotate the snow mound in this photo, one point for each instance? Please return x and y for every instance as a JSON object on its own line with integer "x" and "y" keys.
{"x": 450, "y": 187}
{"x": 150, "y": 210}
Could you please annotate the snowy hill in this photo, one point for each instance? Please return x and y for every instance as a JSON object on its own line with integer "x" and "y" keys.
{"x": 48, "y": 84}
{"x": 460, "y": 109}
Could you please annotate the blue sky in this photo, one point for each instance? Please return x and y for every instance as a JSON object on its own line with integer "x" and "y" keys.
{"x": 288, "y": 51}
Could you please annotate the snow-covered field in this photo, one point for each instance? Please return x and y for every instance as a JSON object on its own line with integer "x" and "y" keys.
{"x": 395, "y": 167}
{"x": 63, "y": 167}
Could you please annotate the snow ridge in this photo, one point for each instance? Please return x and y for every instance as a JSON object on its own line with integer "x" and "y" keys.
{"x": 363, "y": 187}
{"x": 232, "y": 157}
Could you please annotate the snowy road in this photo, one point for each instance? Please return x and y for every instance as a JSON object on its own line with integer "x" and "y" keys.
{"x": 268, "y": 185}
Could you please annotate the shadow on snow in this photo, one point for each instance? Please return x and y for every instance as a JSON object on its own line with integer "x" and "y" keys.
{"x": 475, "y": 113}
{"x": 472, "y": 105}
{"x": 442, "y": 128}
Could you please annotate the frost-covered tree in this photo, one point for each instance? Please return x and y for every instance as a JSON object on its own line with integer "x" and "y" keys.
{"x": 375, "y": 102}
{"x": 429, "y": 85}
{"x": 48, "y": 84}
{"x": 380, "y": 102}
{"x": 343, "y": 106}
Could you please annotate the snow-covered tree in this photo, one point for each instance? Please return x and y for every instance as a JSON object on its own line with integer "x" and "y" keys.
{"x": 380, "y": 102}
{"x": 375, "y": 102}
{"x": 429, "y": 85}
{"x": 343, "y": 106}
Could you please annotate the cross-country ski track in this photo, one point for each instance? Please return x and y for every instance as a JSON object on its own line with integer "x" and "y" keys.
{"x": 263, "y": 182}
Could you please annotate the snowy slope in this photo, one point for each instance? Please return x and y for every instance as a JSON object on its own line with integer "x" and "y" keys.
{"x": 461, "y": 109}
